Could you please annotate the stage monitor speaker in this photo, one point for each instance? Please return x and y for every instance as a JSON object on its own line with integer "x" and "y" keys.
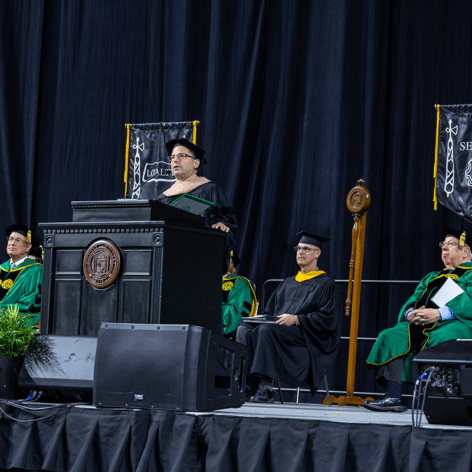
{"x": 60, "y": 367}
{"x": 449, "y": 395}
{"x": 170, "y": 367}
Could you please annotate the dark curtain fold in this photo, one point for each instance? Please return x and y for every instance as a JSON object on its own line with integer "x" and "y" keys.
{"x": 20, "y": 66}
{"x": 297, "y": 100}
{"x": 101, "y": 440}
{"x": 283, "y": 444}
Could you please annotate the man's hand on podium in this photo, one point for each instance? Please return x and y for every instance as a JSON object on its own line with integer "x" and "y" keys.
{"x": 220, "y": 226}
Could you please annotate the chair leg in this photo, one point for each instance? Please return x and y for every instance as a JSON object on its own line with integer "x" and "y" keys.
{"x": 327, "y": 390}
{"x": 280, "y": 392}
{"x": 298, "y": 395}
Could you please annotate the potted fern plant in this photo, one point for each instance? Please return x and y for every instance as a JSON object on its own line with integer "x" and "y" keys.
{"x": 15, "y": 336}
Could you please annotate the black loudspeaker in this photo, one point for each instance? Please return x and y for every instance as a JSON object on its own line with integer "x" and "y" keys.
{"x": 449, "y": 396}
{"x": 60, "y": 367}
{"x": 170, "y": 367}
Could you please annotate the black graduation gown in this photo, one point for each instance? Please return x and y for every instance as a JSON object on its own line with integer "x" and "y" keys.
{"x": 299, "y": 355}
{"x": 222, "y": 210}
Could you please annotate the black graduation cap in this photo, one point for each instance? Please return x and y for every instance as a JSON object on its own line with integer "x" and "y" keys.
{"x": 233, "y": 262}
{"x": 34, "y": 242}
{"x": 235, "y": 258}
{"x": 312, "y": 238}
{"x": 195, "y": 150}
{"x": 17, "y": 229}
{"x": 23, "y": 230}
{"x": 458, "y": 233}
{"x": 36, "y": 251}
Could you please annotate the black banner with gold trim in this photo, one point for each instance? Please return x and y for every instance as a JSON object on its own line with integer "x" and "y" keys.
{"x": 453, "y": 166}
{"x": 147, "y": 168}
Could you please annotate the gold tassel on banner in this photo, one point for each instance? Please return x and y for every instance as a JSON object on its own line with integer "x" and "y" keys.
{"x": 195, "y": 123}
{"x": 435, "y": 197}
{"x": 126, "y": 159}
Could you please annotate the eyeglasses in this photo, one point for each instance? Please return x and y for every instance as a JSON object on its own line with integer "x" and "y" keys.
{"x": 15, "y": 240}
{"x": 177, "y": 156}
{"x": 302, "y": 249}
{"x": 449, "y": 244}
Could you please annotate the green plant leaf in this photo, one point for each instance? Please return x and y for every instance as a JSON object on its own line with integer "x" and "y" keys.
{"x": 15, "y": 332}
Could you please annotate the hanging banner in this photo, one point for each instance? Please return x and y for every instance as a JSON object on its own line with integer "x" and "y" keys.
{"x": 147, "y": 167}
{"x": 453, "y": 165}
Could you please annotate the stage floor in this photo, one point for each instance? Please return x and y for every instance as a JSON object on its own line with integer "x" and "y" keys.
{"x": 335, "y": 413}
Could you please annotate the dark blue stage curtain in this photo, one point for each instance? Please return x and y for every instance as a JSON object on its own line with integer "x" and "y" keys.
{"x": 21, "y": 34}
{"x": 297, "y": 100}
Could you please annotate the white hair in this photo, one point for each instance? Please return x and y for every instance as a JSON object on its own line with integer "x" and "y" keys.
{"x": 470, "y": 252}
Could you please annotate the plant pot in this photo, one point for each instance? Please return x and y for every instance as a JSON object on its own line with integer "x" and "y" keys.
{"x": 10, "y": 368}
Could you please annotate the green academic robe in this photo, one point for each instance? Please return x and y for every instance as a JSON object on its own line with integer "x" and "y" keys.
{"x": 239, "y": 300}
{"x": 397, "y": 341}
{"x": 22, "y": 287}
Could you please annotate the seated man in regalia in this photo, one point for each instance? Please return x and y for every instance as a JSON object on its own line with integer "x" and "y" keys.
{"x": 299, "y": 348}
{"x": 239, "y": 298}
{"x": 422, "y": 323}
{"x": 21, "y": 277}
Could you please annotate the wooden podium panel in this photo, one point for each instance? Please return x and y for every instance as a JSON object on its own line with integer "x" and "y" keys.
{"x": 169, "y": 271}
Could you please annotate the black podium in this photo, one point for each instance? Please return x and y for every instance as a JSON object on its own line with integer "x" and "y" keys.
{"x": 130, "y": 261}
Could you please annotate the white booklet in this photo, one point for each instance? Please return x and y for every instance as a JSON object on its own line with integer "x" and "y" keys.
{"x": 446, "y": 293}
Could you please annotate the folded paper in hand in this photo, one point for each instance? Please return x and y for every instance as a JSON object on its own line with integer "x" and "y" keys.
{"x": 446, "y": 293}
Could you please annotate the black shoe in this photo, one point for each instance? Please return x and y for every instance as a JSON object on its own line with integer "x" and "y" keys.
{"x": 386, "y": 403}
{"x": 264, "y": 394}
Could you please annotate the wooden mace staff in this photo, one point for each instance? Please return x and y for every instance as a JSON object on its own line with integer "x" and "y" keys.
{"x": 358, "y": 201}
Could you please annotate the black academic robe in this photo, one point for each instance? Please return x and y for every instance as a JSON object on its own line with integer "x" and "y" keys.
{"x": 298, "y": 355}
{"x": 222, "y": 211}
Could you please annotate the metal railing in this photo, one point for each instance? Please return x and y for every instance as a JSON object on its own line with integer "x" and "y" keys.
{"x": 386, "y": 282}
{"x": 343, "y": 338}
